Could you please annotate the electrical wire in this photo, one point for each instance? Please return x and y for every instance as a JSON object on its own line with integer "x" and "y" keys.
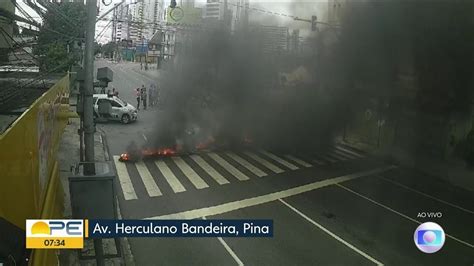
{"x": 19, "y": 45}
{"x": 5, "y": 34}
{"x": 55, "y": 9}
{"x": 103, "y": 31}
{"x": 22, "y": 11}
{"x": 103, "y": 2}
{"x": 11, "y": 48}
{"x": 40, "y": 77}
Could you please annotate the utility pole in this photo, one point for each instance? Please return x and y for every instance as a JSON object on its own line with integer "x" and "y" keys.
{"x": 89, "y": 167}
{"x": 88, "y": 85}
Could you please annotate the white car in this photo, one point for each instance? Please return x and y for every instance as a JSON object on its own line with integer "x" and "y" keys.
{"x": 120, "y": 111}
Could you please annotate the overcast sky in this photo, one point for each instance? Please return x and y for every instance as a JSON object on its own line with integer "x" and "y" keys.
{"x": 300, "y": 8}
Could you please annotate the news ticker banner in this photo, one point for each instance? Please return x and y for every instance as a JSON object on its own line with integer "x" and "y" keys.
{"x": 60, "y": 234}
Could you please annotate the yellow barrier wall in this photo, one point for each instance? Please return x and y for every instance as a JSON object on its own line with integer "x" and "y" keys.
{"x": 29, "y": 180}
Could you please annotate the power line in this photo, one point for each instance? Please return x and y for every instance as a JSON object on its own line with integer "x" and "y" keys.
{"x": 103, "y": 31}
{"x": 11, "y": 48}
{"x": 28, "y": 16}
{"x": 55, "y": 9}
{"x": 39, "y": 77}
{"x": 13, "y": 39}
{"x": 4, "y": 32}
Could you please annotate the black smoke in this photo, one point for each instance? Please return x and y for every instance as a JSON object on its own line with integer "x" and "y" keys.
{"x": 225, "y": 86}
{"x": 359, "y": 62}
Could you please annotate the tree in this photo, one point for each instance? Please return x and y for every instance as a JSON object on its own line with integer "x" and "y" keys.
{"x": 108, "y": 49}
{"x": 60, "y": 37}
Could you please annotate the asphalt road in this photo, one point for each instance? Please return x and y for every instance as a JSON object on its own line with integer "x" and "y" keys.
{"x": 337, "y": 207}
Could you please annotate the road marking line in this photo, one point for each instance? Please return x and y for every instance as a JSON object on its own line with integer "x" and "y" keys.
{"x": 150, "y": 185}
{"x": 299, "y": 161}
{"x": 426, "y": 195}
{"x": 190, "y": 173}
{"x": 231, "y": 252}
{"x": 399, "y": 213}
{"x": 227, "y": 166}
{"x": 264, "y": 162}
{"x": 246, "y": 164}
{"x": 124, "y": 178}
{"x": 145, "y": 138}
{"x": 336, "y": 156}
{"x": 349, "y": 151}
{"x": 209, "y": 169}
{"x": 174, "y": 183}
{"x": 235, "y": 205}
{"x": 365, "y": 255}
{"x": 347, "y": 155}
{"x": 280, "y": 160}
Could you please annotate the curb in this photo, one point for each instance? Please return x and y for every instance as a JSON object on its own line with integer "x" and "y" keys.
{"x": 127, "y": 257}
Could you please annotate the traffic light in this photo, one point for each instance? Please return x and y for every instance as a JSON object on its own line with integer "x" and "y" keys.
{"x": 314, "y": 23}
{"x": 173, "y": 4}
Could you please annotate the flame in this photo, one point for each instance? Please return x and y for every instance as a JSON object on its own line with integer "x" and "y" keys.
{"x": 124, "y": 157}
{"x": 159, "y": 152}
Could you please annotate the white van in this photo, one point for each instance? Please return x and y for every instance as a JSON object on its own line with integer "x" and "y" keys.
{"x": 119, "y": 111}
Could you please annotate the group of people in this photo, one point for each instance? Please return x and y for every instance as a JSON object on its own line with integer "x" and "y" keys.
{"x": 114, "y": 92}
{"x": 143, "y": 97}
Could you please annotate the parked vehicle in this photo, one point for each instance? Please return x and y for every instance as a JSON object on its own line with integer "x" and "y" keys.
{"x": 118, "y": 110}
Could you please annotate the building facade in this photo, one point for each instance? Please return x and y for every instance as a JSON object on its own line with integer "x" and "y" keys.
{"x": 273, "y": 39}
{"x": 140, "y": 20}
{"x": 214, "y": 10}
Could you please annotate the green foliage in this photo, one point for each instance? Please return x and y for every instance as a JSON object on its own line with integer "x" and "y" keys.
{"x": 108, "y": 49}
{"x": 59, "y": 34}
{"x": 97, "y": 47}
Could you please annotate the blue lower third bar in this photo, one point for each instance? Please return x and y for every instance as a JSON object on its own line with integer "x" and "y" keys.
{"x": 180, "y": 228}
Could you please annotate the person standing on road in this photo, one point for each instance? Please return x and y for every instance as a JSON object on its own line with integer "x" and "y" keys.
{"x": 138, "y": 94}
{"x": 144, "y": 96}
{"x": 157, "y": 95}
{"x": 151, "y": 92}
{"x": 153, "y": 95}
{"x": 115, "y": 92}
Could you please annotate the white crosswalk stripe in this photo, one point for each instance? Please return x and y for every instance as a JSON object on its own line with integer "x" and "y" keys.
{"x": 298, "y": 161}
{"x": 349, "y": 151}
{"x": 209, "y": 169}
{"x": 197, "y": 181}
{"x": 228, "y": 167}
{"x": 279, "y": 160}
{"x": 150, "y": 185}
{"x": 124, "y": 178}
{"x": 246, "y": 164}
{"x": 258, "y": 166}
{"x": 174, "y": 183}
{"x": 264, "y": 162}
{"x": 343, "y": 154}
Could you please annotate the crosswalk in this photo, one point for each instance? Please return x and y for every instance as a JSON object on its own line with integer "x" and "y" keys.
{"x": 201, "y": 171}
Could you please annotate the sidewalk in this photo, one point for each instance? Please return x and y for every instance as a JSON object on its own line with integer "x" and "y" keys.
{"x": 68, "y": 156}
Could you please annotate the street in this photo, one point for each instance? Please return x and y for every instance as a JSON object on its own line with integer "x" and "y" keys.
{"x": 236, "y": 132}
{"x": 337, "y": 207}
